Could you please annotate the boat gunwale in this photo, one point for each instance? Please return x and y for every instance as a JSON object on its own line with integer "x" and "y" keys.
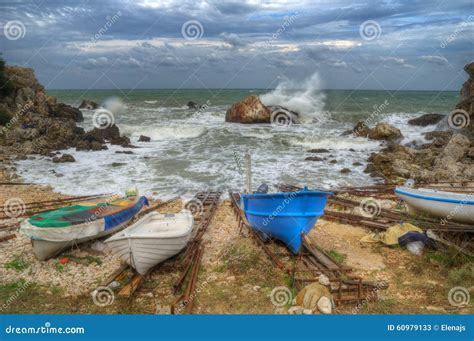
{"x": 287, "y": 194}
{"x": 121, "y": 235}
{"x": 426, "y": 197}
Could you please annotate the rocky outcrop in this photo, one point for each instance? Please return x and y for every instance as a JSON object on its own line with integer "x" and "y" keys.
{"x": 34, "y": 123}
{"x": 382, "y": 131}
{"x": 250, "y": 110}
{"x": 386, "y": 132}
{"x": 446, "y": 161}
{"x": 466, "y": 102}
{"x": 144, "y": 138}
{"x": 88, "y": 105}
{"x": 426, "y": 120}
{"x": 95, "y": 139}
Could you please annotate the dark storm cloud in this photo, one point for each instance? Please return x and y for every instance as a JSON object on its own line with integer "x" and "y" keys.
{"x": 259, "y": 40}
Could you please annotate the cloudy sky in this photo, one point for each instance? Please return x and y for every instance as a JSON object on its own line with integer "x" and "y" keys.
{"x": 417, "y": 44}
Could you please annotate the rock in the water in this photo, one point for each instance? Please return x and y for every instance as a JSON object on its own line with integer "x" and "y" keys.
{"x": 64, "y": 158}
{"x": 318, "y": 150}
{"x": 426, "y": 120}
{"x": 193, "y": 105}
{"x": 382, "y": 131}
{"x": 357, "y": 163}
{"x": 385, "y": 131}
{"x": 144, "y": 138}
{"x": 118, "y": 164}
{"x": 345, "y": 170}
{"x": 250, "y": 110}
{"x": 124, "y": 152}
{"x": 314, "y": 158}
{"x": 333, "y": 161}
{"x": 88, "y": 105}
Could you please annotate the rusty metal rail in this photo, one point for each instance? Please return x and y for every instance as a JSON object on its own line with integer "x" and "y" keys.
{"x": 203, "y": 206}
{"x": 312, "y": 261}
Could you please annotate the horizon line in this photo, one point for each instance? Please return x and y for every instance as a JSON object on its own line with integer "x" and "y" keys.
{"x": 256, "y": 89}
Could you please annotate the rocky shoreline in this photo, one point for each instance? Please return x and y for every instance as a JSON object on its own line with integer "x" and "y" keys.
{"x": 35, "y": 123}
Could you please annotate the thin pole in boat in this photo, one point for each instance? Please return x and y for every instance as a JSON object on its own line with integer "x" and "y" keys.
{"x": 248, "y": 173}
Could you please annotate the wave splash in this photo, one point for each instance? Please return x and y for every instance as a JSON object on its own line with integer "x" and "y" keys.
{"x": 305, "y": 97}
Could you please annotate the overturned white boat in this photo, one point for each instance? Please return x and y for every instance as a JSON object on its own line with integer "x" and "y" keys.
{"x": 448, "y": 206}
{"x": 152, "y": 239}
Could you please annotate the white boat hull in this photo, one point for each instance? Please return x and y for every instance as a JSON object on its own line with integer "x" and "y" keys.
{"x": 145, "y": 244}
{"x": 446, "y": 206}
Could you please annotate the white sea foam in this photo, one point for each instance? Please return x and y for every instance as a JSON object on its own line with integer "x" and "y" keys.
{"x": 304, "y": 97}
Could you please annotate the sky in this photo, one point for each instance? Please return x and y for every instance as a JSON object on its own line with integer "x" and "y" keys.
{"x": 145, "y": 44}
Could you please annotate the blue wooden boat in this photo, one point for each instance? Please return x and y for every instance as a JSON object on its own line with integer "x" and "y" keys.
{"x": 285, "y": 216}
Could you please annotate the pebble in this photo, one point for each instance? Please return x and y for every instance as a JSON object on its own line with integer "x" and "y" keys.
{"x": 256, "y": 287}
{"x": 230, "y": 278}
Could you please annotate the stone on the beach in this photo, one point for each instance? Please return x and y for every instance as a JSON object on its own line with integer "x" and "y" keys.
{"x": 88, "y": 105}
{"x": 325, "y": 305}
{"x": 385, "y": 131}
{"x": 310, "y": 295}
{"x": 144, "y": 138}
{"x": 426, "y": 120}
{"x": 249, "y": 110}
{"x": 64, "y": 158}
{"x": 324, "y": 280}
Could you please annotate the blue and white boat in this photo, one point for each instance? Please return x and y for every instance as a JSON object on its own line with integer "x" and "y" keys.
{"x": 284, "y": 216}
{"x": 458, "y": 207}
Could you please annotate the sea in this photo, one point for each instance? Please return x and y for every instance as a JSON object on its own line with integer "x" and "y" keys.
{"x": 193, "y": 150}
